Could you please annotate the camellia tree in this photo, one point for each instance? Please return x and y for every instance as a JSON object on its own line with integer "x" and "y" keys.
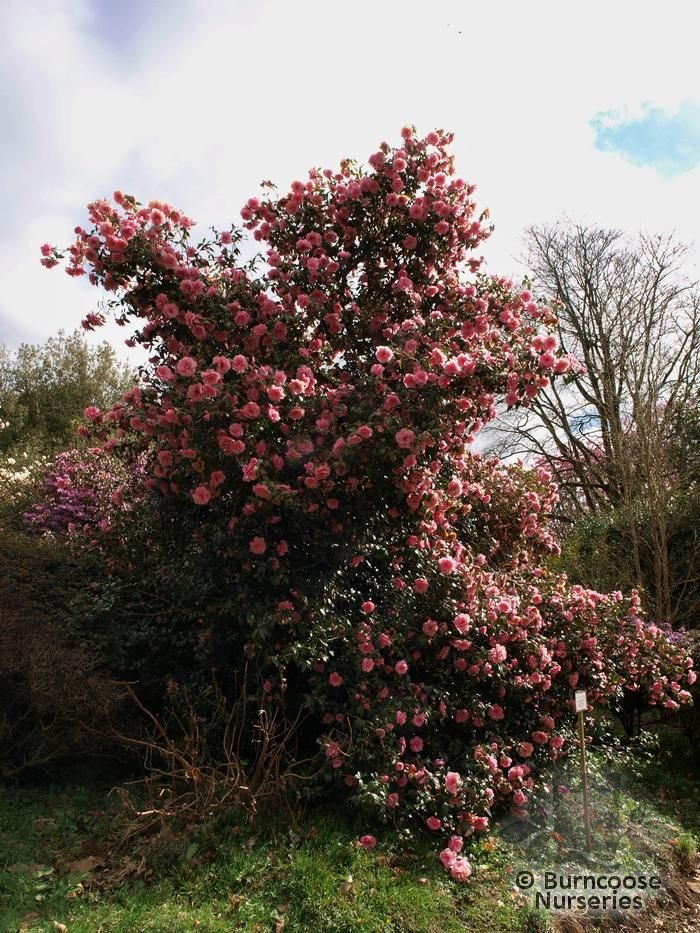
{"x": 306, "y": 429}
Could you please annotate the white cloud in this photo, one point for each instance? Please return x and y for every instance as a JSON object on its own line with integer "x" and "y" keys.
{"x": 198, "y": 101}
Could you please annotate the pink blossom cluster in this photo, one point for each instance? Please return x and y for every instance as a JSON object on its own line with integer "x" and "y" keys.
{"x": 81, "y": 492}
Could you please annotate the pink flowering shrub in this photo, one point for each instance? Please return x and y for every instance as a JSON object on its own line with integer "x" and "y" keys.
{"x": 310, "y": 424}
{"x": 81, "y": 491}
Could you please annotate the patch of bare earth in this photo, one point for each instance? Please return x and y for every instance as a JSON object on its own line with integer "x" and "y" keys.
{"x": 676, "y": 910}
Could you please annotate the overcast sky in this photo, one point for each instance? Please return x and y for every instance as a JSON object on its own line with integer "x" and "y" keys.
{"x": 590, "y": 109}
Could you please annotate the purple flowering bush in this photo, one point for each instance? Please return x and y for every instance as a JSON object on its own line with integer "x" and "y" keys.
{"x": 79, "y": 492}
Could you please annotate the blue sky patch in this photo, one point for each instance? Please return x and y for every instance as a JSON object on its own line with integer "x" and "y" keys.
{"x": 668, "y": 141}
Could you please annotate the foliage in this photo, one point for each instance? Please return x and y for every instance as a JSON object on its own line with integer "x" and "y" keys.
{"x": 598, "y": 552}
{"x": 684, "y": 441}
{"x": 305, "y": 432}
{"x": 20, "y": 477}
{"x": 55, "y": 700}
{"x": 44, "y": 390}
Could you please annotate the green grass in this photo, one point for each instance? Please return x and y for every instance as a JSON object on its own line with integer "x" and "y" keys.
{"x": 315, "y": 880}
{"x": 58, "y": 864}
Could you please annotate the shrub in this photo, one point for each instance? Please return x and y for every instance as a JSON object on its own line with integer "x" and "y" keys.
{"x": 20, "y": 476}
{"x": 305, "y": 432}
{"x": 210, "y": 755}
{"x": 80, "y": 490}
{"x": 55, "y": 703}
{"x": 54, "y": 696}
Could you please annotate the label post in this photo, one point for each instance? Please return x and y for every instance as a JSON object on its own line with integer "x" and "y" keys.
{"x": 581, "y": 707}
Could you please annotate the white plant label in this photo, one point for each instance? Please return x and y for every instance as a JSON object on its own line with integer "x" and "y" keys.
{"x": 581, "y": 701}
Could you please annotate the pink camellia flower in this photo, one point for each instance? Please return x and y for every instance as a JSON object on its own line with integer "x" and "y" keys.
{"x": 92, "y": 412}
{"x": 367, "y": 606}
{"x": 556, "y": 741}
{"x": 165, "y": 373}
{"x": 434, "y": 823}
{"x": 456, "y": 844}
{"x": 447, "y": 565}
{"x": 495, "y": 712}
{"x": 392, "y": 800}
{"x": 401, "y": 667}
{"x": 460, "y": 869}
{"x": 447, "y": 857}
{"x": 416, "y": 744}
{"x": 258, "y": 545}
{"x": 480, "y": 823}
{"x": 367, "y": 665}
{"x": 384, "y": 354}
{"x": 541, "y": 738}
{"x": 525, "y": 749}
{"x": 201, "y": 495}
{"x": 453, "y": 782}
{"x": 186, "y": 366}
{"x": 497, "y": 654}
{"x": 368, "y": 842}
{"x": 420, "y": 585}
{"x": 405, "y": 438}
{"x": 250, "y": 410}
{"x": 239, "y": 363}
{"x": 211, "y": 377}
{"x": 335, "y": 680}
{"x": 519, "y": 798}
{"x": 231, "y": 446}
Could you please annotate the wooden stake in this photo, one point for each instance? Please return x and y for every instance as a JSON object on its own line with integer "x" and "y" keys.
{"x": 584, "y": 777}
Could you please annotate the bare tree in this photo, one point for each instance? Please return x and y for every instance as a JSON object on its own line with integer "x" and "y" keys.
{"x": 631, "y": 317}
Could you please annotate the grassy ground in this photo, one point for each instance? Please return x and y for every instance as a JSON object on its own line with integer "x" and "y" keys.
{"x": 59, "y": 868}
{"x": 311, "y": 880}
